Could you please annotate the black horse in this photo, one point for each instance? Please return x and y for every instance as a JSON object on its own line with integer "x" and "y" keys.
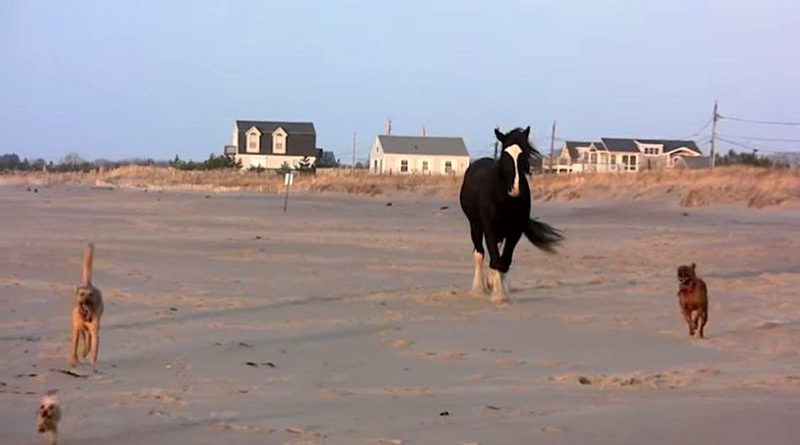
{"x": 497, "y": 201}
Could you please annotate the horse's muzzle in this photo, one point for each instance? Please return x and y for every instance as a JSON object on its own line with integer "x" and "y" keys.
{"x": 514, "y": 192}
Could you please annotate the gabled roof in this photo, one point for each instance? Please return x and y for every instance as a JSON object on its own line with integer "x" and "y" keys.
{"x": 269, "y": 127}
{"x": 428, "y": 145}
{"x": 572, "y": 148}
{"x": 599, "y": 146}
{"x": 619, "y": 144}
{"x": 629, "y": 145}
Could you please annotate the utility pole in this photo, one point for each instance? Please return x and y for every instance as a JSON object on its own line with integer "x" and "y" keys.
{"x": 714, "y": 137}
{"x": 552, "y": 145}
{"x": 353, "y": 165}
{"x": 496, "y": 142}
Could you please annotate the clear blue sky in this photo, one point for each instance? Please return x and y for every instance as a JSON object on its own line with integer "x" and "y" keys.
{"x": 120, "y": 79}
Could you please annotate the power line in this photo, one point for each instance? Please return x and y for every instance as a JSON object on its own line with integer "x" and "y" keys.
{"x": 754, "y": 121}
{"x": 756, "y": 138}
{"x": 749, "y": 147}
{"x": 696, "y": 133}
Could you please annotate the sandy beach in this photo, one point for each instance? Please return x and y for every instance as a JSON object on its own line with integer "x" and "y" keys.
{"x": 347, "y": 320}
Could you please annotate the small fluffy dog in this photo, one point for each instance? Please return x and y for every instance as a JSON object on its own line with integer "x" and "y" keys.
{"x": 48, "y": 416}
{"x": 86, "y": 313}
{"x": 693, "y": 299}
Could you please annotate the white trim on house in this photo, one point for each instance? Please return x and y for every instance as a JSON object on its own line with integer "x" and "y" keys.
{"x": 253, "y": 140}
{"x": 279, "y": 141}
{"x": 235, "y": 137}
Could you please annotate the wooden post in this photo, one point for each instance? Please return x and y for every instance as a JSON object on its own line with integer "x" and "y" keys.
{"x": 552, "y": 145}
{"x": 714, "y": 137}
{"x": 287, "y": 181}
{"x": 353, "y": 166}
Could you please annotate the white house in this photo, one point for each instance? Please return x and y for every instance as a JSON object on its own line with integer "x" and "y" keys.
{"x": 418, "y": 155}
{"x": 622, "y": 155}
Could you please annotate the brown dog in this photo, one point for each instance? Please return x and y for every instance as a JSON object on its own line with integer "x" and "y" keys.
{"x": 86, "y": 313}
{"x": 48, "y": 416}
{"x": 693, "y": 299}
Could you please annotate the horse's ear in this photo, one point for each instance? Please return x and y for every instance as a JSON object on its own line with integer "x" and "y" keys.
{"x": 526, "y": 131}
{"x": 693, "y": 266}
{"x": 499, "y": 135}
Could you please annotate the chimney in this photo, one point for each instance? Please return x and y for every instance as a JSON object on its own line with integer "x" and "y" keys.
{"x": 389, "y": 126}
{"x": 424, "y": 132}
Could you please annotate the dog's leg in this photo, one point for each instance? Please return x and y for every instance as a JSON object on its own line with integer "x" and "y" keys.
{"x": 703, "y": 321}
{"x": 75, "y": 337}
{"x": 478, "y": 281}
{"x": 95, "y": 339}
{"x": 687, "y": 315}
{"x": 84, "y": 336}
{"x": 52, "y": 437}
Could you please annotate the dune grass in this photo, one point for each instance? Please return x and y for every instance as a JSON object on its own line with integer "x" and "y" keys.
{"x": 755, "y": 187}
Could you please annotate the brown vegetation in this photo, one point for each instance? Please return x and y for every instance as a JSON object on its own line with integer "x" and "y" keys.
{"x": 757, "y": 187}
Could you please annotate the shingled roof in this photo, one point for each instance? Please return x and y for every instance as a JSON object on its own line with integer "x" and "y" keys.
{"x": 269, "y": 127}
{"x": 572, "y": 148}
{"x": 428, "y": 145}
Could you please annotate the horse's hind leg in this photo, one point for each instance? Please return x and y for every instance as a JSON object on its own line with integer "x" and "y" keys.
{"x": 478, "y": 281}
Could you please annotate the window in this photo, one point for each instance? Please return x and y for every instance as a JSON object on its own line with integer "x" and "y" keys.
{"x": 253, "y": 145}
{"x": 404, "y": 166}
{"x": 585, "y": 157}
{"x": 279, "y": 141}
{"x": 594, "y": 158}
{"x": 629, "y": 163}
{"x": 375, "y": 163}
{"x": 613, "y": 159}
{"x": 424, "y": 166}
{"x": 448, "y": 167}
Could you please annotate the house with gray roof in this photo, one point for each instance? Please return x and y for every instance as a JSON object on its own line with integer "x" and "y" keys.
{"x": 624, "y": 155}
{"x": 418, "y": 155}
{"x": 273, "y": 144}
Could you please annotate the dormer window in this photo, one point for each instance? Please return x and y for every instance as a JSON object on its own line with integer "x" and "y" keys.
{"x": 253, "y": 140}
{"x": 279, "y": 141}
{"x": 652, "y": 150}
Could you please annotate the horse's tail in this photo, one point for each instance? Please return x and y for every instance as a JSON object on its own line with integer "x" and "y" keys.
{"x": 542, "y": 235}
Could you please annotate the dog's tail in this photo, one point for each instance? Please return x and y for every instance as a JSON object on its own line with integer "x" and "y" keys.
{"x": 542, "y": 235}
{"x": 88, "y": 255}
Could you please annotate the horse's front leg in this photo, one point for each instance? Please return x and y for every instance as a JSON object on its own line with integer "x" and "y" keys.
{"x": 496, "y": 269}
{"x": 507, "y": 255}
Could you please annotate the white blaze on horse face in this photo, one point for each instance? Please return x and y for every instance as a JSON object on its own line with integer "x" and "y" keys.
{"x": 514, "y": 151}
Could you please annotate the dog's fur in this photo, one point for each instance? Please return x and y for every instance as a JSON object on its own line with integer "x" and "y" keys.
{"x": 86, "y": 313}
{"x": 48, "y": 416}
{"x": 693, "y": 299}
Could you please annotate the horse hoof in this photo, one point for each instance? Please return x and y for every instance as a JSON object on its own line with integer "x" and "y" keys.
{"x": 479, "y": 291}
{"x": 499, "y": 300}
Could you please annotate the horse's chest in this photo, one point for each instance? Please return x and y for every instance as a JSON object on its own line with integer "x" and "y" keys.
{"x": 508, "y": 220}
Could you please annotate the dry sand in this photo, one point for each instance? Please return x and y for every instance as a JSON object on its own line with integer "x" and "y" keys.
{"x": 346, "y": 321}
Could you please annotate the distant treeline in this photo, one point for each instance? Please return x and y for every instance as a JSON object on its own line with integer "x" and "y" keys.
{"x": 69, "y": 163}
{"x": 75, "y": 163}
{"x": 751, "y": 159}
